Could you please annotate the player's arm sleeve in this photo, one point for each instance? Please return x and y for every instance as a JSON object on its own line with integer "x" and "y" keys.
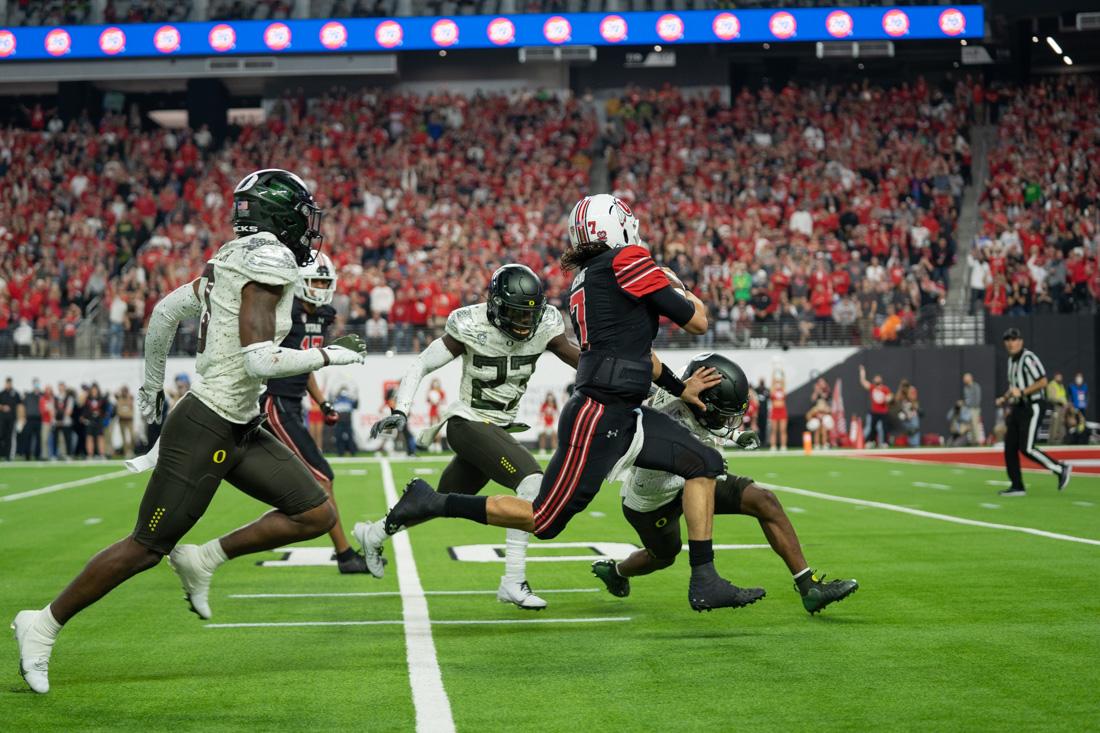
{"x": 640, "y": 277}
{"x": 427, "y": 361}
{"x": 180, "y": 304}
{"x": 265, "y": 360}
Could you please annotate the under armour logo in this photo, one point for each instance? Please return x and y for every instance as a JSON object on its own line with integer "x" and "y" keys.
{"x": 612, "y": 434}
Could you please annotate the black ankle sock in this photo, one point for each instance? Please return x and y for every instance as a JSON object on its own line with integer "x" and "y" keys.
{"x": 700, "y": 552}
{"x": 345, "y": 555}
{"x": 466, "y": 507}
{"x": 804, "y": 580}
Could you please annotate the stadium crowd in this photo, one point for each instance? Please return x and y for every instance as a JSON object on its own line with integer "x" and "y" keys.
{"x": 828, "y": 217}
{"x": 815, "y": 219}
{"x": 1038, "y": 245}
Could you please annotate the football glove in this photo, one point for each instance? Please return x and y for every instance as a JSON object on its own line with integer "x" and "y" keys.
{"x": 150, "y": 404}
{"x": 331, "y": 415}
{"x": 345, "y": 350}
{"x": 390, "y": 425}
{"x": 746, "y": 439}
{"x": 351, "y": 342}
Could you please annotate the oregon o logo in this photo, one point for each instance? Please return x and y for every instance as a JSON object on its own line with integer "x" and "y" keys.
{"x": 219, "y": 456}
{"x": 661, "y": 522}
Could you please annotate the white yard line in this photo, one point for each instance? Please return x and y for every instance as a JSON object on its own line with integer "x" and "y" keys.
{"x": 66, "y": 485}
{"x": 927, "y": 485}
{"x": 393, "y": 593}
{"x": 433, "y": 708}
{"x": 432, "y": 724}
{"x": 934, "y": 515}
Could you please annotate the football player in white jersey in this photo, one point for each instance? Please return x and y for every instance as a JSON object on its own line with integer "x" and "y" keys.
{"x": 652, "y": 505}
{"x": 243, "y": 302}
{"x": 499, "y": 342}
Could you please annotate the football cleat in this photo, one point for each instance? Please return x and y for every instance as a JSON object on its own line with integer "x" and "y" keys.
{"x": 195, "y": 579}
{"x": 1012, "y": 492}
{"x": 34, "y": 651}
{"x": 708, "y": 590}
{"x": 1063, "y": 478}
{"x": 372, "y": 553}
{"x": 354, "y": 564}
{"x": 419, "y": 503}
{"x": 821, "y": 593}
{"x": 519, "y": 593}
{"x": 616, "y": 584}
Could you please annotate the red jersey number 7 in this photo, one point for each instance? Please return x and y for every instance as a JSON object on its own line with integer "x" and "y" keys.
{"x": 576, "y": 309}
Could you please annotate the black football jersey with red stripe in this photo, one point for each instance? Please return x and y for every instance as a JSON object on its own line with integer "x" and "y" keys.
{"x": 615, "y": 318}
{"x": 307, "y": 331}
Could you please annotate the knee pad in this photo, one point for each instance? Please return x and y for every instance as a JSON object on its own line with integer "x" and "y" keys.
{"x": 529, "y": 487}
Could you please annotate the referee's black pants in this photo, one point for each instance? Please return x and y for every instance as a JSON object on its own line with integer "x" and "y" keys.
{"x": 1022, "y": 426}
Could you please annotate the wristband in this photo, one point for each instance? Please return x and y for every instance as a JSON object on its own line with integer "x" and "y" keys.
{"x": 326, "y": 406}
{"x": 669, "y": 382}
{"x": 324, "y": 355}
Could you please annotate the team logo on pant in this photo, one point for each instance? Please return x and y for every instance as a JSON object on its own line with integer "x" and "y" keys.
{"x": 219, "y": 456}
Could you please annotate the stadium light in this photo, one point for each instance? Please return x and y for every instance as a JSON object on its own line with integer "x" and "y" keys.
{"x": 962, "y": 42}
{"x": 1035, "y": 39}
{"x": 1054, "y": 45}
{"x": 1068, "y": 60}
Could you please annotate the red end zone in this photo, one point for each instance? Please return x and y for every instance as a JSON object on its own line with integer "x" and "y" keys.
{"x": 1085, "y": 460}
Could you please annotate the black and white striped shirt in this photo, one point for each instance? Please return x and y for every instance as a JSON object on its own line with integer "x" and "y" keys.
{"x": 1025, "y": 370}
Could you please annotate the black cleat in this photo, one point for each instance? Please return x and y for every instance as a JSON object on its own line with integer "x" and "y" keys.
{"x": 821, "y": 594}
{"x": 616, "y": 584}
{"x": 419, "y": 503}
{"x": 354, "y": 564}
{"x": 708, "y": 591}
{"x": 1063, "y": 478}
{"x": 1012, "y": 492}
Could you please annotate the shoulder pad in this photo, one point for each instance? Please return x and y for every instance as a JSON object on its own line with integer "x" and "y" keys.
{"x": 462, "y": 323}
{"x": 269, "y": 262}
{"x": 552, "y": 322}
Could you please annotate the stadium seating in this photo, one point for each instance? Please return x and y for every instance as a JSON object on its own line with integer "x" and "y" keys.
{"x": 1037, "y": 247}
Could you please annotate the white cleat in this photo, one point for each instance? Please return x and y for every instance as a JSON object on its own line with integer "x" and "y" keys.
{"x": 194, "y": 578}
{"x": 372, "y": 552}
{"x": 34, "y": 652}
{"x": 519, "y": 593}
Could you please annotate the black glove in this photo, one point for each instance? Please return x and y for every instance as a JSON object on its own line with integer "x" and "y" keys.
{"x": 331, "y": 415}
{"x": 391, "y": 424}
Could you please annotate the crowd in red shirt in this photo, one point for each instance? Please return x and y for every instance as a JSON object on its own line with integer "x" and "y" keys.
{"x": 1037, "y": 248}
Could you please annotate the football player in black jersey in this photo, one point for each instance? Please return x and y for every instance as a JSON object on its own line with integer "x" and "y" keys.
{"x": 616, "y": 301}
{"x": 282, "y": 402}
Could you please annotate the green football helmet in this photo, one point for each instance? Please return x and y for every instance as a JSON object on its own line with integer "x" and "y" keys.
{"x": 516, "y": 301}
{"x": 277, "y": 201}
{"x": 727, "y": 401}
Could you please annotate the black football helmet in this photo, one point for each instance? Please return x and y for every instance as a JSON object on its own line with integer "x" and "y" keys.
{"x": 727, "y": 401}
{"x": 516, "y": 301}
{"x": 277, "y": 201}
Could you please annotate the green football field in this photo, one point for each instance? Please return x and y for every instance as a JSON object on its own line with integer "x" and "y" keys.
{"x": 974, "y": 613}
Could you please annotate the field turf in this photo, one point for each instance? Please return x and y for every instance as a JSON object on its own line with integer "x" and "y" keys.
{"x": 955, "y": 627}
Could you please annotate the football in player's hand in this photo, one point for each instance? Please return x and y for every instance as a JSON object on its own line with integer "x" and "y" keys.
{"x": 674, "y": 279}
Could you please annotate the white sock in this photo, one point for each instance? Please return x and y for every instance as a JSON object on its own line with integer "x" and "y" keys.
{"x": 212, "y": 555}
{"x": 46, "y": 625}
{"x": 515, "y": 555}
{"x": 800, "y": 573}
{"x": 377, "y": 532}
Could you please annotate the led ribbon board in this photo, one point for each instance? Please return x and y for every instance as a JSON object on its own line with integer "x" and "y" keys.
{"x": 364, "y": 35}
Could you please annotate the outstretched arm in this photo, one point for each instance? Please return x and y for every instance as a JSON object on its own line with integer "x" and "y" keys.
{"x": 863, "y": 378}
{"x": 561, "y": 347}
{"x": 181, "y": 303}
{"x": 263, "y": 359}
{"x": 438, "y": 353}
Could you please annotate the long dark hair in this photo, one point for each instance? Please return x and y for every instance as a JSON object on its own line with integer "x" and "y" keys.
{"x": 575, "y": 257}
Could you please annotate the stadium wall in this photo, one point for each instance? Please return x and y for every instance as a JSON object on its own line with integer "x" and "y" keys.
{"x": 370, "y": 382}
{"x": 935, "y": 371}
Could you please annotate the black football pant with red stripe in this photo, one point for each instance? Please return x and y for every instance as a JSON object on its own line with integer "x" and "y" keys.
{"x": 284, "y": 419}
{"x": 592, "y": 437}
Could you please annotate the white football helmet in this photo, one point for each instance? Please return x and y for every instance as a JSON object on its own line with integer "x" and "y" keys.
{"x": 603, "y": 218}
{"x": 316, "y": 281}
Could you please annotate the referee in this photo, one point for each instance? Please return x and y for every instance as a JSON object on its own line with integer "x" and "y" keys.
{"x": 1024, "y": 412}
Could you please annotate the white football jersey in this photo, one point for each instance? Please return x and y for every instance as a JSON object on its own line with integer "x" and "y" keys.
{"x": 226, "y": 387}
{"x": 645, "y": 489}
{"x": 495, "y": 367}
